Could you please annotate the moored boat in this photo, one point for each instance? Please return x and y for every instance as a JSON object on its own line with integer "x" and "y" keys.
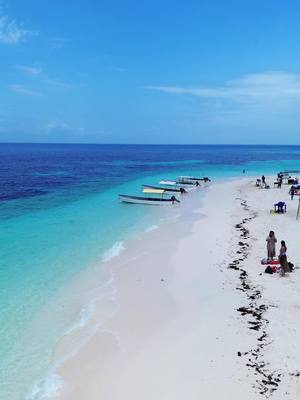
{"x": 185, "y": 185}
{"x": 153, "y": 197}
{"x": 192, "y": 180}
{"x": 286, "y": 173}
{"x": 168, "y": 182}
{"x": 170, "y": 189}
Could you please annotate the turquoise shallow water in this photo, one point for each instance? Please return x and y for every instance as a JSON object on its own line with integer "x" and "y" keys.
{"x": 59, "y": 214}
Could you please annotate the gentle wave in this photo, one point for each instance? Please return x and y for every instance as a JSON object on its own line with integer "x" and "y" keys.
{"x": 114, "y": 251}
{"x": 152, "y": 228}
{"x": 46, "y": 388}
{"x": 53, "y": 173}
{"x": 85, "y": 314}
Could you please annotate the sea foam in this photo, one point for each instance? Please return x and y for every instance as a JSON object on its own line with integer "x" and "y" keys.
{"x": 47, "y": 388}
{"x": 114, "y": 251}
{"x": 151, "y": 228}
{"x": 85, "y": 315}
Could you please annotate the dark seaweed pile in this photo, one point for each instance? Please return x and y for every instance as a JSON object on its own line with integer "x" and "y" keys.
{"x": 267, "y": 380}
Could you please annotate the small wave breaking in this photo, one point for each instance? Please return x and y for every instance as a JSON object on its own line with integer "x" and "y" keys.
{"x": 46, "y": 388}
{"x": 114, "y": 251}
{"x": 151, "y": 228}
{"x": 85, "y": 314}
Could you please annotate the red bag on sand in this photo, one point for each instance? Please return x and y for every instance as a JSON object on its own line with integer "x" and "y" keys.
{"x": 273, "y": 262}
{"x": 264, "y": 261}
{"x": 274, "y": 269}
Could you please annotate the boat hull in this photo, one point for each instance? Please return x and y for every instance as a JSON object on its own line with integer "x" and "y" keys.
{"x": 147, "y": 200}
{"x": 192, "y": 180}
{"x": 167, "y": 189}
{"x": 174, "y": 184}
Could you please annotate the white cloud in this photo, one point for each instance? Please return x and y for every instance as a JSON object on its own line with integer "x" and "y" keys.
{"x": 24, "y": 90}
{"x": 260, "y": 102}
{"x": 58, "y": 42}
{"x": 36, "y": 72}
{"x": 59, "y": 83}
{"x": 56, "y": 125}
{"x": 262, "y": 87}
{"x": 12, "y": 32}
{"x": 29, "y": 70}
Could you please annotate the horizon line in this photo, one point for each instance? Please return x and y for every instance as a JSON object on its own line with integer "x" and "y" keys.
{"x": 151, "y": 144}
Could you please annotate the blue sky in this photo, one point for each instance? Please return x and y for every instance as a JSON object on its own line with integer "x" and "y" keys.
{"x": 150, "y": 72}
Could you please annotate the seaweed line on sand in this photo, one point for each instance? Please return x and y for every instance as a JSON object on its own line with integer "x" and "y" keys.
{"x": 267, "y": 381}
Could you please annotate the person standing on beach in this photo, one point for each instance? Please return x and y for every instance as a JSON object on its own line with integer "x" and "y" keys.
{"x": 271, "y": 242}
{"x": 292, "y": 192}
{"x": 284, "y": 266}
{"x": 283, "y": 259}
{"x": 283, "y": 249}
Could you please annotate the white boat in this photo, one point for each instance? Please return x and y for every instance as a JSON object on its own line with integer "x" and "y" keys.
{"x": 192, "y": 180}
{"x": 167, "y": 189}
{"x": 185, "y": 185}
{"x": 188, "y": 182}
{"x": 168, "y": 183}
{"x": 181, "y": 181}
{"x": 287, "y": 173}
{"x": 153, "y": 197}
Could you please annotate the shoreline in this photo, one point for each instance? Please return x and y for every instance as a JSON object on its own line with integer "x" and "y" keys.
{"x": 167, "y": 287}
{"x": 93, "y": 288}
{"x": 165, "y": 312}
{"x": 53, "y": 236}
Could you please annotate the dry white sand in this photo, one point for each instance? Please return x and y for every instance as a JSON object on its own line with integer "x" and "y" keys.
{"x": 175, "y": 331}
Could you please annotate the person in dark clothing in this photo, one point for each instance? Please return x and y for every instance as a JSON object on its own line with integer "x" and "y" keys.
{"x": 263, "y": 180}
{"x": 292, "y": 192}
{"x": 283, "y": 249}
{"x": 284, "y": 266}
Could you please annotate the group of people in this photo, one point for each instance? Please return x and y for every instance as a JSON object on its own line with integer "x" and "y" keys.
{"x": 262, "y": 183}
{"x": 271, "y": 248}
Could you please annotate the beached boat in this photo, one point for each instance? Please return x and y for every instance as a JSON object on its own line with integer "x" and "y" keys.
{"x": 169, "y": 189}
{"x": 188, "y": 182}
{"x": 153, "y": 197}
{"x": 192, "y": 180}
{"x": 286, "y": 173}
{"x": 185, "y": 185}
{"x": 168, "y": 183}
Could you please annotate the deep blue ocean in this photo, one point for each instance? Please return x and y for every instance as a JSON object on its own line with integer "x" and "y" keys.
{"x": 59, "y": 214}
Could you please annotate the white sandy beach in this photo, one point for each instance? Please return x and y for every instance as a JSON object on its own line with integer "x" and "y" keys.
{"x": 175, "y": 331}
